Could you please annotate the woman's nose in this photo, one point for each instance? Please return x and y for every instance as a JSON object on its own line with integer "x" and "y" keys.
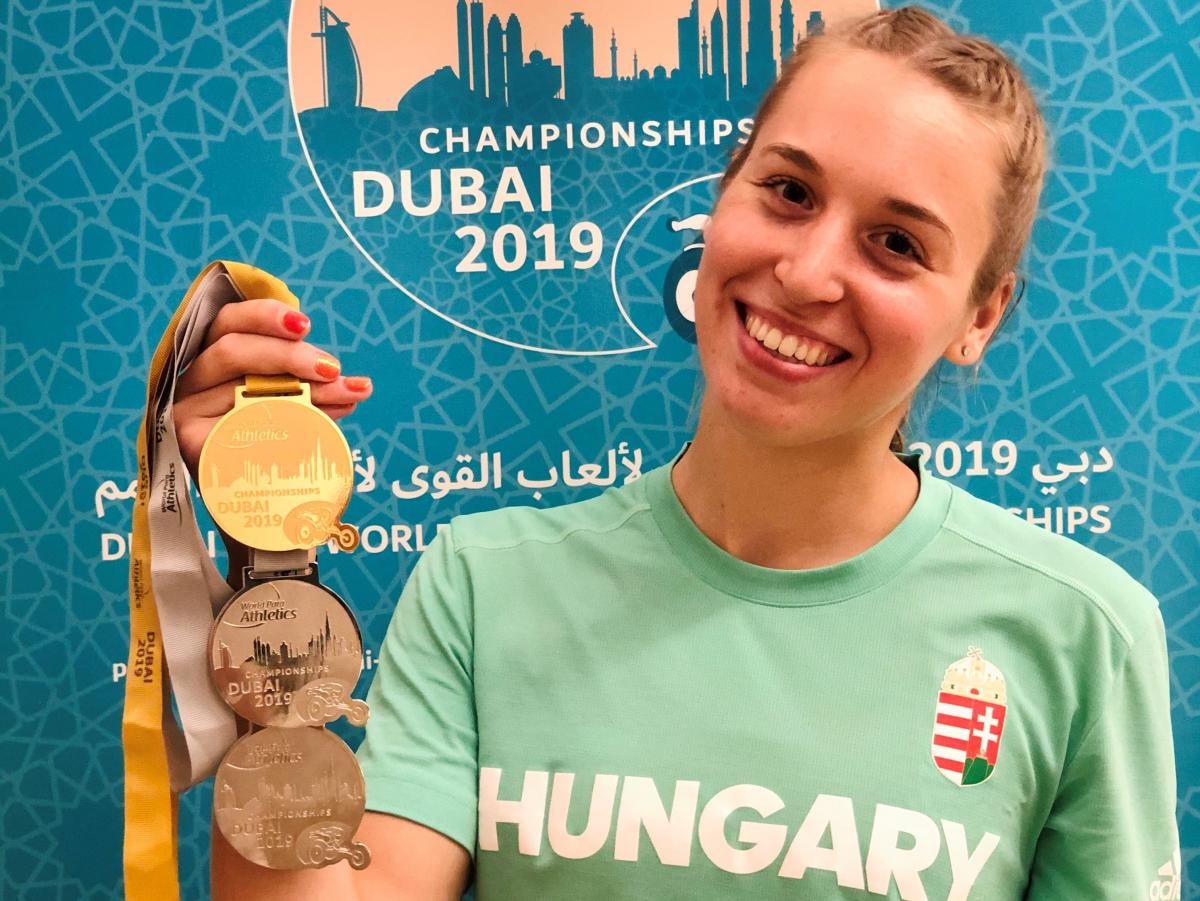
{"x": 813, "y": 265}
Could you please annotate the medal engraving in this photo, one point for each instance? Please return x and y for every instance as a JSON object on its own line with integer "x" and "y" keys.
{"x": 291, "y": 798}
{"x": 287, "y": 652}
{"x": 276, "y": 474}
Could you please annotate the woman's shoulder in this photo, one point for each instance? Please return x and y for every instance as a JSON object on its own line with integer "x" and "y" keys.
{"x": 1010, "y": 540}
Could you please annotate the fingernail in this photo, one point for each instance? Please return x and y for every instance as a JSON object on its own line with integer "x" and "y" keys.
{"x": 296, "y": 323}
{"x": 327, "y": 367}
{"x": 357, "y": 382}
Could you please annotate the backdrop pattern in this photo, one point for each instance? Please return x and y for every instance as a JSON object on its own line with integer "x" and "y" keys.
{"x": 139, "y": 140}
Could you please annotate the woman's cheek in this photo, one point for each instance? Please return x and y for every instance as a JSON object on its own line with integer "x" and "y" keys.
{"x": 901, "y": 333}
{"x": 713, "y": 282}
{"x": 709, "y": 277}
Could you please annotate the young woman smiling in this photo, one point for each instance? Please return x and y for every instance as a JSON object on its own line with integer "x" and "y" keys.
{"x": 789, "y": 663}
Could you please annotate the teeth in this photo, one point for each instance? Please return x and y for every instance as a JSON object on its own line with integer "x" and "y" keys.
{"x": 786, "y": 345}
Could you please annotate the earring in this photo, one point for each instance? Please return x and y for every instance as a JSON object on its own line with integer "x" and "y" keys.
{"x": 965, "y": 354}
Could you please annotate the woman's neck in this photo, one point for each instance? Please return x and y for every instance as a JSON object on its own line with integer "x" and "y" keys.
{"x": 791, "y": 507}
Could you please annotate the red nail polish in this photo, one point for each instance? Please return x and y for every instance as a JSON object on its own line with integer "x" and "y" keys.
{"x": 327, "y": 367}
{"x": 357, "y": 382}
{"x": 296, "y": 323}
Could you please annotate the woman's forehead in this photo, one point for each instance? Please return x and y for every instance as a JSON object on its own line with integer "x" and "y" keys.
{"x": 873, "y": 123}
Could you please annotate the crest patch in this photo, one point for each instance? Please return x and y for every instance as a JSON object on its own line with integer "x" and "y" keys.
{"x": 969, "y": 720}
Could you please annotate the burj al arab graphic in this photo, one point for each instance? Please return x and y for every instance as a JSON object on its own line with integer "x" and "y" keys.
{"x": 341, "y": 71}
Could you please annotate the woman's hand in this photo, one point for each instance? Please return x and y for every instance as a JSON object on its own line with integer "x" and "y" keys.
{"x": 258, "y": 337}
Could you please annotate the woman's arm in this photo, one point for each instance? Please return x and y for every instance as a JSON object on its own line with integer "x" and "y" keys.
{"x": 1111, "y": 834}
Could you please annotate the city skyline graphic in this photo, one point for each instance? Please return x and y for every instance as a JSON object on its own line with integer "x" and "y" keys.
{"x": 510, "y": 54}
{"x": 266, "y": 471}
{"x": 272, "y": 797}
{"x": 316, "y": 647}
{"x": 320, "y": 646}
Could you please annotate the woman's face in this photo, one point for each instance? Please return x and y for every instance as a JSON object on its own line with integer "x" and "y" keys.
{"x": 859, "y": 217}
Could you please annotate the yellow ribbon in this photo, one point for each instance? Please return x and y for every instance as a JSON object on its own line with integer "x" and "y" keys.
{"x": 151, "y": 855}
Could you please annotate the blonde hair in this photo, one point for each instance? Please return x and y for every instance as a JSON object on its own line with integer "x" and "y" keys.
{"x": 981, "y": 76}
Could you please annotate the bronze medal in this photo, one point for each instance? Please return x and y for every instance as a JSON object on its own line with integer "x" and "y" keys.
{"x": 276, "y": 474}
{"x": 287, "y": 652}
{"x": 291, "y": 798}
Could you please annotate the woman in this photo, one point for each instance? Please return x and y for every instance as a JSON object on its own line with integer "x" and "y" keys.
{"x": 789, "y": 663}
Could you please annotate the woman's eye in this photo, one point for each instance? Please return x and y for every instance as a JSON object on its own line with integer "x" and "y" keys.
{"x": 899, "y": 243}
{"x": 790, "y": 190}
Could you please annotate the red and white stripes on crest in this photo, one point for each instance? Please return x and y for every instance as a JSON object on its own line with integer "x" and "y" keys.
{"x": 952, "y": 734}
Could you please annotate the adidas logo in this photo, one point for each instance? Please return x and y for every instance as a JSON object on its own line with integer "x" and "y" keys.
{"x": 1169, "y": 886}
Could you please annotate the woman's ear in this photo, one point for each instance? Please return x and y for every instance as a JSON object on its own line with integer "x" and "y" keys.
{"x": 985, "y": 319}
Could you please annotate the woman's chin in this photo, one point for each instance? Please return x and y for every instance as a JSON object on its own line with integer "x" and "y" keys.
{"x": 767, "y": 422}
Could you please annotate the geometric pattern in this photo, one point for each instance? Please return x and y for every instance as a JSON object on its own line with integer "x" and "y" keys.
{"x": 1107, "y": 350}
{"x": 140, "y": 140}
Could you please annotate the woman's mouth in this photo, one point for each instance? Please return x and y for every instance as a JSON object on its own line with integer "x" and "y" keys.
{"x": 796, "y": 350}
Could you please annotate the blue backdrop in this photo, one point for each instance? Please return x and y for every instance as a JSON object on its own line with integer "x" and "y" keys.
{"x": 528, "y": 316}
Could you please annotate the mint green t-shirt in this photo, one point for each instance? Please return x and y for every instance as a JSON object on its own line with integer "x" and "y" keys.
{"x": 600, "y": 703}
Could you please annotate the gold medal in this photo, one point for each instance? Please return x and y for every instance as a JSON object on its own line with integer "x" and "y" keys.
{"x": 287, "y": 652}
{"x": 291, "y": 798}
{"x": 276, "y": 474}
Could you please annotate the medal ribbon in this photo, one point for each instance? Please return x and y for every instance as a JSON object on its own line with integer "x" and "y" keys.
{"x": 174, "y": 592}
